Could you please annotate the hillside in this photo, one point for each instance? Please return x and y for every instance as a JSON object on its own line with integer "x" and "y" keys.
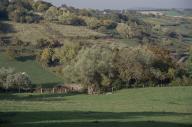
{"x": 39, "y": 76}
{"x": 101, "y": 50}
{"x": 33, "y": 32}
{"x": 62, "y": 66}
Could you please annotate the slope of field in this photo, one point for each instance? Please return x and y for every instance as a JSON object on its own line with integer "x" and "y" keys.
{"x": 34, "y": 32}
{"x": 185, "y": 13}
{"x": 159, "y": 107}
{"x": 169, "y": 24}
{"x": 173, "y": 13}
{"x": 38, "y": 75}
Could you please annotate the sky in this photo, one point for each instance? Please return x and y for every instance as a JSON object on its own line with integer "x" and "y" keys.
{"x": 124, "y": 4}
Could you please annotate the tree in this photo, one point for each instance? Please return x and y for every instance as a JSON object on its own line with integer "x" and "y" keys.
{"x": 10, "y": 79}
{"x": 133, "y": 64}
{"x": 21, "y": 11}
{"x": 41, "y": 6}
{"x": 4, "y": 72}
{"x": 171, "y": 73}
{"x": 189, "y": 66}
{"x": 92, "y": 22}
{"x": 68, "y": 52}
{"x": 17, "y": 15}
{"x": 19, "y": 81}
{"x": 22, "y": 15}
{"x": 20, "y": 43}
{"x": 76, "y": 21}
{"x": 69, "y": 18}
{"x": 143, "y": 64}
{"x": 125, "y": 30}
{"x": 11, "y": 53}
{"x": 164, "y": 67}
{"x": 16, "y": 4}
{"x": 43, "y": 43}
{"x": 109, "y": 24}
{"x": 52, "y": 14}
{"x": 174, "y": 34}
{"x": 46, "y": 57}
{"x": 91, "y": 67}
{"x": 84, "y": 12}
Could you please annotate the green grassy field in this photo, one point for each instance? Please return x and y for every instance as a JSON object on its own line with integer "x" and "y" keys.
{"x": 178, "y": 13}
{"x": 159, "y": 107}
{"x": 168, "y": 25}
{"x": 173, "y": 13}
{"x": 39, "y": 76}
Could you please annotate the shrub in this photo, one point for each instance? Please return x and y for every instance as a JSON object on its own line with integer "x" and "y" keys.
{"x": 41, "y": 6}
{"x": 52, "y": 14}
{"x": 46, "y": 57}
{"x": 189, "y": 63}
{"x": 125, "y": 30}
{"x": 68, "y": 52}
{"x": 184, "y": 81}
{"x": 11, "y": 80}
{"x": 109, "y": 24}
{"x": 63, "y": 17}
{"x": 92, "y": 22}
{"x": 175, "y": 35}
{"x": 70, "y": 19}
{"x": 100, "y": 67}
{"x": 22, "y": 11}
{"x": 11, "y": 53}
{"x": 23, "y": 16}
{"x": 141, "y": 64}
{"x": 91, "y": 68}
{"x": 18, "y": 81}
{"x": 76, "y": 21}
{"x": 131, "y": 64}
{"x": 4, "y": 72}
{"x": 43, "y": 43}
{"x": 20, "y": 43}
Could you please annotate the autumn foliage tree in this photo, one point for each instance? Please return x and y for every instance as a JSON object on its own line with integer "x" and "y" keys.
{"x": 45, "y": 57}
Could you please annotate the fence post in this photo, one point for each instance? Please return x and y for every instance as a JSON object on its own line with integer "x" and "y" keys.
{"x": 53, "y": 90}
{"x": 65, "y": 90}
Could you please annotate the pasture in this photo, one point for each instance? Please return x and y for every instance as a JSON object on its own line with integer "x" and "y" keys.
{"x": 39, "y": 76}
{"x": 170, "y": 107}
{"x": 33, "y": 32}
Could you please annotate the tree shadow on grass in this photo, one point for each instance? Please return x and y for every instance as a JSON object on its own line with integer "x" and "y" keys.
{"x": 6, "y": 28}
{"x": 109, "y": 124}
{"x": 89, "y": 119}
{"x": 36, "y": 97}
{"x": 25, "y": 58}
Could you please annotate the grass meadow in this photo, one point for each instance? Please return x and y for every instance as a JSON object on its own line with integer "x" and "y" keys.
{"x": 159, "y": 107}
{"x": 33, "y": 32}
{"x": 39, "y": 75}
